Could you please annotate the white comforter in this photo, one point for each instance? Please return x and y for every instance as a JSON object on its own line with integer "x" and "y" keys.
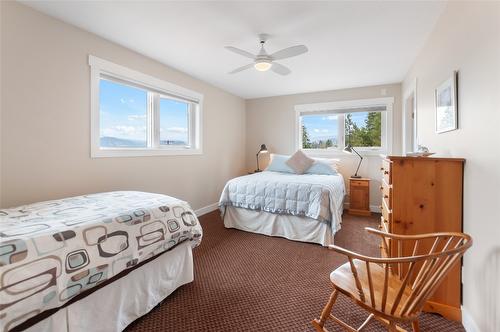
{"x": 315, "y": 196}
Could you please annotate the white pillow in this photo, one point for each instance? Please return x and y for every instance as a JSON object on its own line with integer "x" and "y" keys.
{"x": 333, "y": 162}
{"x": 321, "y": 168}
{"x": 299, "y": 162}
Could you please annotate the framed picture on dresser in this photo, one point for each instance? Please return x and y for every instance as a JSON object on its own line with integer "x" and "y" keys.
{"x": 445, "y": 98}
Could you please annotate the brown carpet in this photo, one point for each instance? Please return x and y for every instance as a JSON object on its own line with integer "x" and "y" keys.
{"x": 252, "y": 282}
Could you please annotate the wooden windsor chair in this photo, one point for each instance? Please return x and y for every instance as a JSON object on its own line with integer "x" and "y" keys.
{"x": 394, "y": 290}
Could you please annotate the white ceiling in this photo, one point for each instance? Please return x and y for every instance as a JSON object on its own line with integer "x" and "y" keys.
{"x": 350, "y": 43}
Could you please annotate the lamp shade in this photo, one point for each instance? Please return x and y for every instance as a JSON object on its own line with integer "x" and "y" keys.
{"x": 263, "y": 149}
{"x": 348, "y": 149}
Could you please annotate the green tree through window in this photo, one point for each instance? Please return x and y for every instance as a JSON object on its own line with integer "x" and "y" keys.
{"x": 306, "y": 142}
{"x": 368, "y": 135}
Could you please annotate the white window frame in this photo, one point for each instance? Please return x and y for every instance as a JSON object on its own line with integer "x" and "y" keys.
{"x": 340, "y": 108}
{"x": 100, "y": 67}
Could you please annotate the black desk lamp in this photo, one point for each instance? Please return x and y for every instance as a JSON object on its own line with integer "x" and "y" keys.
{"x": 263, "y": 149}
{"x": 349, "y": 149}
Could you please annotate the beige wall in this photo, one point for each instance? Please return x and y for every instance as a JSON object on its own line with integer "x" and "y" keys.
{"x": 467, "y": 39}
{"x": 272, "y": 121}
{"x": 45, "y": 134}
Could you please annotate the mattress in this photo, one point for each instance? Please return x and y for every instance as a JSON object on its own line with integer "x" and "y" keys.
{"x": 51, "y": 252}
{"x": 319, "y": 197}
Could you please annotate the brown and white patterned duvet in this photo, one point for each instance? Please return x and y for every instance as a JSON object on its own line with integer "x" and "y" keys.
{"x": 52, "y": 251}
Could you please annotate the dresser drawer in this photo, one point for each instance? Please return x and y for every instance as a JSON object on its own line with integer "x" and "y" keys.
{"x": 384, "y": 225}
{"x": 359, "y": 183}
{"x": 384, "y": 244}
{"x": 386, "y": 190}
{"x": 386, "y": 171}
{"x": 386, "y": 213}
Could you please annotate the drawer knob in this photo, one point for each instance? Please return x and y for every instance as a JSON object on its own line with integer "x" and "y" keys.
{"x": 381, "y": 168}
{"x": 381, "y": 188}
{"x": 386, "y": 172}
{"x": 386, "y": 196}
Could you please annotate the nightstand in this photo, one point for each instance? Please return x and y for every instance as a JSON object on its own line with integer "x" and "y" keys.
{"x": 359, "y": 196}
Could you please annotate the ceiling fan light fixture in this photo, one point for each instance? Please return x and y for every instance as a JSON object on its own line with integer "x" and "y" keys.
{"x": 264, "y": 61}
{"x": 263, "y": 65}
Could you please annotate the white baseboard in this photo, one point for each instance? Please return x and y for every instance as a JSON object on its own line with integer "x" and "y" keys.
{"x": 206, "y": 209}
{"x": 468, "y": 322}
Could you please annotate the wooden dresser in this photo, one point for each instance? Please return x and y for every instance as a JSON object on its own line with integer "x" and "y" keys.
{"x": 424, "y": 195}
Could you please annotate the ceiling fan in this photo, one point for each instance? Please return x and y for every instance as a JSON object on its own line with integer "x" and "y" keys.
{"x": 264, "y": 61}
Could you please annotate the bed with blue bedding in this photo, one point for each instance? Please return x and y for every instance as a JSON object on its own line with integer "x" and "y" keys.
{"x": 306, "y": 207}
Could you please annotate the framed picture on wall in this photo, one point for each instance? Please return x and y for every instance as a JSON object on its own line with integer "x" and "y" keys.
{"x": 445, "y": 98}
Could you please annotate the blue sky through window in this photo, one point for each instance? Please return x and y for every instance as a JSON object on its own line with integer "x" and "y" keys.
{"x": 123, "y": 115}
{"x": 322, "y": 127}
{"x": 173, "y": 122}
{"x": 359, "y": 118}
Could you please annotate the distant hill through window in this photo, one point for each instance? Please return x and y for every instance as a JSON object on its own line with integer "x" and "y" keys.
{"x": 115, "y": 142}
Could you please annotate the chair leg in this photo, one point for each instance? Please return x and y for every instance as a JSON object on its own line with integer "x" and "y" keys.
{"x": 392, "y": 327}
{"x": 415, "y": 326}
{"x": 320, "y": 323}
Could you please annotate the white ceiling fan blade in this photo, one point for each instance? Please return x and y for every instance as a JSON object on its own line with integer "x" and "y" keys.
{"x": 280, "y": 69}
{"x": 289, "y": 52}
{"x": 240, "y": 52}
{"x": 237, "y": 70}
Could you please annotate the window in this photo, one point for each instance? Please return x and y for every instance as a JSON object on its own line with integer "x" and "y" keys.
{"x": 138, "y": 115}
{"x": 329, "y": 127}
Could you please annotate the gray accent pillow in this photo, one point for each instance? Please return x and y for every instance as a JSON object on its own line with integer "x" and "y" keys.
{"x": 299, "y": 162}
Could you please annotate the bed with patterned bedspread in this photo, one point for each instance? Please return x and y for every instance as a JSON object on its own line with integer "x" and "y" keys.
{"x": 50, "y": 252}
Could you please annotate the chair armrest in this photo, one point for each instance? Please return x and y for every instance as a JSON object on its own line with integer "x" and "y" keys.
{"x": 411, "y": 237}
{"x": 465, "y": 240}
{"x": 352, "y": 254}
{"x": 379, "y": 260}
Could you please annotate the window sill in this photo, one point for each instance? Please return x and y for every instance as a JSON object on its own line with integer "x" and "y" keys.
{"x": 112, "y": 153}
{"x": 340, "y": 153}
